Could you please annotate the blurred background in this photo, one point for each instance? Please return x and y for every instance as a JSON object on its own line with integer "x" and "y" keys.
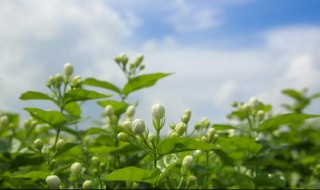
{"x": 220, "y": 50}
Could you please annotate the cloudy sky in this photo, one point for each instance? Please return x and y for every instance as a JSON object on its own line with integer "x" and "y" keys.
{"x": 219, "y": 50}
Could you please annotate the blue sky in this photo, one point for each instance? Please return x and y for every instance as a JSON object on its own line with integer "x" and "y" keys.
{"x": 219, "y": 50}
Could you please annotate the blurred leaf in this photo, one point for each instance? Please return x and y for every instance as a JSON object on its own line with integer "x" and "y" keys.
{"x": 222, "y": 127}
{"x": 134, "y": 174}
{"x": 65, "y": 148}
{"x": 275, "y": 122}
{"x": 33, "y": 95}
{"x": 269, "y": 180}
{"x": 143, "y": 81}
{"x": 31, "y": 174}
{"x": 53, "y": 118}
{"x": 103, "y": 84}
{"x": 118, "y": 107}
{"x": 293, "y": 94}
{"x": 315, "y": 96}
{"x": 81, "y": 94}
{"x": 181, "y": 144}
{"x": 73, "y": 109}
{"x": 243, "y": 181}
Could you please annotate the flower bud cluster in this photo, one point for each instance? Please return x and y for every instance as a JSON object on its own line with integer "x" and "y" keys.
{"x": 133, "y": 68}
{"x": 178, "y": 130}
{"x": 185, "y": 118}
{"x": 204, "y": 124}
{"x": 253, "y": 108}
{"x": 97, "y": 166}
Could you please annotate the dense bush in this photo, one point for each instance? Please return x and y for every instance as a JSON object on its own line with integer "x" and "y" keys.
{"x": 259, "y": 150}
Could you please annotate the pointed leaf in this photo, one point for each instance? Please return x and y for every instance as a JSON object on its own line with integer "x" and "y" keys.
{"x": 118, "y": 107}
{"x": 134, "y": 174}
{"x": 81, "y": 94}
{"x": 65, "y": 148}
{"x": 73, "y": 109}
{"x": 293, "y": 94}
{"x": 181, "y": 144}
{"x": 103, "y": 84}
{"x": 33, "y": 95}
{"x": 143, "y": 81}
{"x": 32, "y": 174}
{"x": 275, "y": 122}
{"x": 53, "y": 118}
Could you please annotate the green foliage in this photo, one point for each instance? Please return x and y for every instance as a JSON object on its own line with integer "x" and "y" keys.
{"x": 258, "y": 150}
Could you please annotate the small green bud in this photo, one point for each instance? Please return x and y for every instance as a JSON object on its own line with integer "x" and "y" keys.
{"x": 108, "y": 110}
{"x": 152, "y": 138}
{"x": 53, "y": 182}
{"x": 123, "y": 58}
{"x": 127, "y": 125}
{"x": 76, "y": 168}
{"x": 76, "y": 82}
{"x": 38, "y": 144}
{"x": 51, "y": 81}
{"x": 102, "y": 166}
{"x": 95, "y": 161}
{"x": 59, "y": 78}
{"x": 204, "y": 139}
{"x": 122, "y": 137}
{"x": 260, "y": 115}
{"x": 197, "y": 125}
{"x": 139, "y": 59}
{"x": 173, "y": 134}
{"x": 187, "y": 162}
{"x": 4, "y": 120}
{"x": 130, "y": 111}
{"x": 205, "y": 122}
{"x": 68, "y": 69}
{"x": 158, "y": 111}
{"x": 87, "y": 184}
{"x": 172, "y": 126}
{"x": 192, "y": 180}
{"x": 180, "y": 128}
{"x": 138, "y": 127}
{"x": 60, "y": 144}
{"x": 185, "y": 118}
{"x": 95, "y": 172}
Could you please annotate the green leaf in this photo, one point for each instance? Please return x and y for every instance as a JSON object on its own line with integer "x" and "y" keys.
{"x": 315, "y": 96}
{"x": 102, "y": 84}
{"x": 143, "y": 81}
{"x": 134, "y": 174}
{"x": 181, "y": 144}
{"x": 53, "y": 118}
{"x": 73, "y": 109}
{"x": 236, "y": 147}
{"x": 293, "y": 94}
{"x": 81, "y": 94}
{"x": 222, "y": 127}
{"x": 269, "y": 180}
{"x": 118, "y": 107}
{"x": 65, "y": 148}
{"x": 31, "y": 174}
{"x": 275, "y": 122}
{"x": 243, "y": 181}
{"x": 33, "y": 95}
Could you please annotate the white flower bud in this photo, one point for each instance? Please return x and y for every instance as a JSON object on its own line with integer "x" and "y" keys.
{"x": 180, "y": 128}
{"x": 187, "y": 111}
{"x": 138, "y": 127}
{"x": 68, "y": 69}
{"x": 123, "y": 58}
{"x": 245, "y": 108}
{"x": 185, "y": 118}
{"x": 211, "y": 133}
{"x": 254, "y": 102}
{"x": 158, "y": 111}
{"x": 130, "y": 111}
{"x": 127, "y": 125}
{"x": 38, "y": 144}
{"x": 122, "y": 137}
{"x": 4, "y": 120}
{"x": 108, "y": 110}
{"x": 187, "y": 162}
{"x": 87, "y": 184}
{"x": 76, "y": 168}
{"x": 53, "y": 182}
{"x": 205, "y": 122}
{"x": 260, "y": 115}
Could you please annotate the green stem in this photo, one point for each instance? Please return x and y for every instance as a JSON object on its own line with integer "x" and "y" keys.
{"x": 207, "y": 169}
{"x": 180, "y": 183}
